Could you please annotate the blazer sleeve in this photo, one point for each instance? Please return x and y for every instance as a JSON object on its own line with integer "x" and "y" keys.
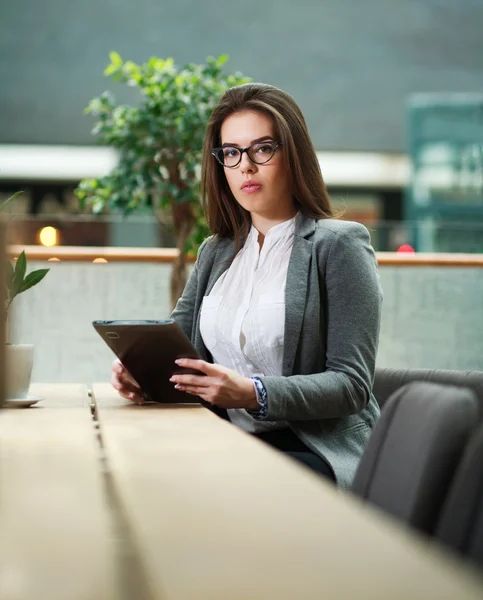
{"x": 353, "y": 299}
{"x": 183, "y": 312}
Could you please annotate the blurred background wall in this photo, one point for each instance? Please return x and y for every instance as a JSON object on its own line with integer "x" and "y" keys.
{"x": 351, "y": 65}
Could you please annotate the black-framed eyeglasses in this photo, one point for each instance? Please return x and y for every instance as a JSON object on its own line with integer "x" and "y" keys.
{"x": 259, "y": 153}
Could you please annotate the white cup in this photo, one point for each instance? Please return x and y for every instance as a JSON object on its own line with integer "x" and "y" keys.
{"x": 19, "y": 360}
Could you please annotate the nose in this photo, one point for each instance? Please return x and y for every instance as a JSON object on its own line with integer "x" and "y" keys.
{"x": 246, "y": 165}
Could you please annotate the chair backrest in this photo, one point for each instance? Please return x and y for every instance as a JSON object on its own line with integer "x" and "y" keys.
{"x": 414, "y": 449}
{"x": 387, "y": 381}
{"x": 461, "y": 522}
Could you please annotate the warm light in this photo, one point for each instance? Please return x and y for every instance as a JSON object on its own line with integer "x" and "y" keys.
{"x": 99, "y": 260}
{"x": 49, "y": 236}
{"x": 53, "y": 259}
{"x": 406, "y": 248}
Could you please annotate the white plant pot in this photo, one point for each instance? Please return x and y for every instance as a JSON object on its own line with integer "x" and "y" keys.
{"x": 19, "y": 361}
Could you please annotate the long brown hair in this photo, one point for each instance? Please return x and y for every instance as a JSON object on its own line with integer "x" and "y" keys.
{"x": 226, "y": 218}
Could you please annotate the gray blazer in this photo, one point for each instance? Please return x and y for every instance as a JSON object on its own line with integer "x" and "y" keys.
{"x": 332, "y": 316}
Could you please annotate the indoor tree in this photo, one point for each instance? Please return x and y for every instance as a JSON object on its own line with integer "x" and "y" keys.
{"x": 159, "y": 142}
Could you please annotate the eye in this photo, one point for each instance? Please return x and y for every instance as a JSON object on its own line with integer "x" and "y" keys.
{"x": 263, "y": 149}
{"x": 230, "y": 152}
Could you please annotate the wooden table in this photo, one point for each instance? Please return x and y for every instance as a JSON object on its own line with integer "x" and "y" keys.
{"x": 55, "y": 525}
{"x": 215, "y": 514}
{"x": 104, "y": 500}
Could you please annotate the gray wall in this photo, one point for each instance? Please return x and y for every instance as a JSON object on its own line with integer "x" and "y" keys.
{"x": 432, "y": 317}
{"x": 351, "y": 65}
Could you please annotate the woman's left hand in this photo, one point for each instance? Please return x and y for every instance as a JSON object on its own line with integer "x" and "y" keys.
{"x": 219, "y": 386}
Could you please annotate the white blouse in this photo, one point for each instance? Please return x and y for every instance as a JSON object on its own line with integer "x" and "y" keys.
{"x": 242, "y": 320}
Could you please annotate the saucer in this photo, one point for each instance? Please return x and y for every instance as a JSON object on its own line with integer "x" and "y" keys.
{"x": 22, "y": 402}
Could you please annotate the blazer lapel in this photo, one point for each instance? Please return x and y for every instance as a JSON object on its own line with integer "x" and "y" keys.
{"x": 223, "y": 257}
{"x": 296, "y": 290}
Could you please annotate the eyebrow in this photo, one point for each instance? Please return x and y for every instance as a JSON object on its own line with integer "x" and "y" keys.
{"x": 261, "y": 139}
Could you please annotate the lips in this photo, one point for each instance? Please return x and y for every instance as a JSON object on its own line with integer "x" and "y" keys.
{"x": 250, "y": 186}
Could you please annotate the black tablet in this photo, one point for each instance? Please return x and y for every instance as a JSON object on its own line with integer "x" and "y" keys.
{"x": 148, "y": 350}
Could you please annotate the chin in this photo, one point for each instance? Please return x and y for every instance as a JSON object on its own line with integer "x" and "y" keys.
{"x": 253, "y": 204}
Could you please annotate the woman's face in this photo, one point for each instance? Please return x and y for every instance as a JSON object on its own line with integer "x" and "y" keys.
{"x": 268, "y": 194}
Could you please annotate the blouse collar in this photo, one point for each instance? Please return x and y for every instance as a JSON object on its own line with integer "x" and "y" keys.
{"x": 284, "y": 229}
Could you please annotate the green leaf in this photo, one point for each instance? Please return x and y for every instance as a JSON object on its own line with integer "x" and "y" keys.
{"x": 19, "y": 274}
{"x": 221, "y": 60}
{"x": 8, "y": 200}
{"x": 9, "y": 274}
{"x": 115, "y": 65}
{"x": 98, "y": 206}
{"x": 115, "y": 58}
{"x": 110, "y": 70}
{"x": 32, "y": 279}
{"x": 155, "y": 63}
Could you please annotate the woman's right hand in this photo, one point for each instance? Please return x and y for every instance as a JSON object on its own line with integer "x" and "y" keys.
{"x": 125, "y": 384}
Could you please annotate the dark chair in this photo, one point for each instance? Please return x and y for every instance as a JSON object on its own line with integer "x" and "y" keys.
{"x": 387, "y": 381}
{"x": 461, "y": 522}
{"x": 414, "y": 449}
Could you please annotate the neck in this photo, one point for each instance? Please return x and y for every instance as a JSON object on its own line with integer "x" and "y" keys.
{"x": 263, "y": 223}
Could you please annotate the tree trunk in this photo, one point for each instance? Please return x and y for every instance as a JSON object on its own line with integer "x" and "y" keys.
{"x": 183, "y": 221}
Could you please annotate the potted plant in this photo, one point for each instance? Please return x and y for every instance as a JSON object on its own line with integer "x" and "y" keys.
{"x": 18, "y": 357}
{"x": 159, "y": 142}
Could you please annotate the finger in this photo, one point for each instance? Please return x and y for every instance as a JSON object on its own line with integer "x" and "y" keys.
{"x": 196, "y": 363}
{"x": 117, "y": 366}
{"x": 136, "y": 398}
{"x": 122, "y": 373}
{"x": 132, "y": 397}
{"x": 125, "y": 386}
{"x": 195, "y": 380}
{"x": 116, "y": 384}
{"x": 129, "y": 395}
{"x": 187, "y": 389}
{"x": 127, "y": 380}
{"x": 132, "y": 393}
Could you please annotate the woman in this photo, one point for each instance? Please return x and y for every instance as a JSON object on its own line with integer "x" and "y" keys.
{"x": 284, "y": 301}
